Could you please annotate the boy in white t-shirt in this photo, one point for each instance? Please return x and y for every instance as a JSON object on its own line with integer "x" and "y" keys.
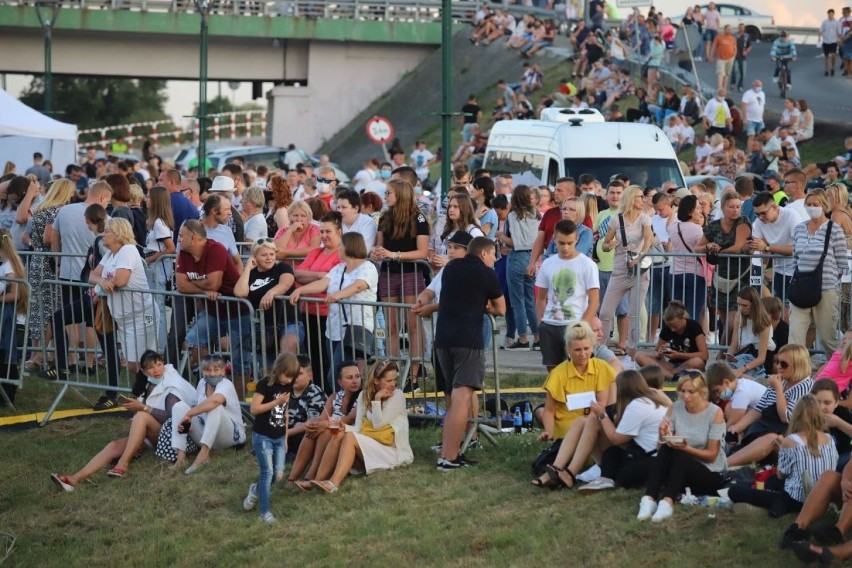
{"x": 740, "y": 393}
{"x": 568, "y": 290}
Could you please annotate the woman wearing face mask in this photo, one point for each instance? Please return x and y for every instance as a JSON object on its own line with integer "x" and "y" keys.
{"x": 809, "y": 240}
{"x": 158, "y": 389}
{"x": 215, "y": 423}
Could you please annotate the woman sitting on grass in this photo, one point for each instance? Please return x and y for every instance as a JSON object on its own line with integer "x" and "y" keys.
{"x": 761, "y": 425}
{"x": 682, "y": 344}
{"x": 379, "y": 439}
{"x": 319, "y": 437}
{"x": 803, "y": 456}
{"x": 690, "y": 450}
{"x": 752, "y": 337}
{"x": 159, "y": 387}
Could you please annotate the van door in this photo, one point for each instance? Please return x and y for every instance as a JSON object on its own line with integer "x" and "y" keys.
{"x": 552, "y": 171}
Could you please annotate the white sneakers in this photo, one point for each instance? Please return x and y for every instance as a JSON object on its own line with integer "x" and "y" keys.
{"x": 647, "y": 507}
{"x": 599, "y": 484}
{"x": 251, "y": 499}
{"x": 664, "y": 511}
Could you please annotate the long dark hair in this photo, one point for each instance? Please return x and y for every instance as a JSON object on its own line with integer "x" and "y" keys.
{"x": 629, "y": 386}
{"x": 467, "y": 215}
{"x": 522, "y": 205}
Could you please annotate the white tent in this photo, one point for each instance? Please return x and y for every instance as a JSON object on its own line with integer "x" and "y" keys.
{"x": 24, "y": 131}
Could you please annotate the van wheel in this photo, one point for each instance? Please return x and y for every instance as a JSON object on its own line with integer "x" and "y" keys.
{"x": 753, "y": 32}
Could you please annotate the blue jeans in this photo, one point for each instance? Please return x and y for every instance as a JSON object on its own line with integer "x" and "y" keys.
{"x": 500, "y": 267}
{"x": 209, "y": 328}
{"x": 270, "y": 460}
{"x": 738, "y": 73}
{"x": 692, "y": 291}
{"x": 521, "y": 291}
{"x": 660, "y": 293}
{"x": 159, "y": 274}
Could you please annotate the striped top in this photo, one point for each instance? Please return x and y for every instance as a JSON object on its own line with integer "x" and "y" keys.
{"x": 807, "y": 249}
{"x": 793, "y": 394}
{"x": 801, "y": 469}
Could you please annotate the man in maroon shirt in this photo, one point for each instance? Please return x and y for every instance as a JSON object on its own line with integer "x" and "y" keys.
{"x": 565, "y": 187}
{"x": 205, "y": 267}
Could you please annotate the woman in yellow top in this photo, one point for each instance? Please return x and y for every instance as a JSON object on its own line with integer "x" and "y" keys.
{"x": 580, "y": 374}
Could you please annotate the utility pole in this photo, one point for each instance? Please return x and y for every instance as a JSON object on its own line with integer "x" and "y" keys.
{"x": 203, "y": 7}
{"x": 46, "y": 11}
{"x": 446, "y": 94}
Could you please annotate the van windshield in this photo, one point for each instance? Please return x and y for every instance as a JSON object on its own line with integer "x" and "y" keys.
{"x": 643, "y": 172}
{"x": 524, "y": 167}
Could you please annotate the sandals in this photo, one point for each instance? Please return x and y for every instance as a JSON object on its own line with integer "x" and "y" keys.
{"x": 806, "y": 554}
{"x": 63, "y": 482}
{"x": 326, "y": 486}
{"x": 117, "y": 472}
{"x": 619, "y": 351}
{"x": 541, "y": 484}
{"x": 304, "y": 485}
{"x": 555, "y": 476}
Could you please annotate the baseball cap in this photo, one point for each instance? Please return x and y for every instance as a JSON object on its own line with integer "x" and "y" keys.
{"x": 682, "y": 192}
{"x": 461, "y": 238}
{"x": 223, "y": 183}
{"x": 772, "y": 174}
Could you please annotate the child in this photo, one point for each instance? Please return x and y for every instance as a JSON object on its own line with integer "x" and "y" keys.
{"x": 837, "y": 418}
{"x": 682, "y": 344}
{"x": 838, "y": 368}
{"x": 269, "y": 407}
{"x": 780, "y": 329}
{"x": 804, "y": 455}
{"x": 14, "y": 300}
{"x": 740, "y": 393}
{"x": 654, "y": 376}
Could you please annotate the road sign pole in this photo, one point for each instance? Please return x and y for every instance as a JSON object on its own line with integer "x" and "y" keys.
{"x": 446, "y": 95}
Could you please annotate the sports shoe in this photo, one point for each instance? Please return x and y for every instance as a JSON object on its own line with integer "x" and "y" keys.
{"x": 251, "y": 498}
{"x": 452, "y": 465}
{"x": 647, "y": 507}
{"x": 664, "y": 511}
{"x": 792, "y": 535}
{"x": 590, "y": 474}
{"x": 104, "y": 403}
{"x": 536, "y": 346}
{"x": 52, "y": 374}
{"x": 438, "y": 447}
{"x": 599, "y": 484}
{"x": 61, "y": 481}
{"x": 519, "y": 345}
{"x": 832, "y": 72}
{"x": 789, "y": 87}
{"x": 268, "y": 518}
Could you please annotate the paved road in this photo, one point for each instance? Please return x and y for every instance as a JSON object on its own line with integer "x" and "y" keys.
{"x": 830, "y": 98}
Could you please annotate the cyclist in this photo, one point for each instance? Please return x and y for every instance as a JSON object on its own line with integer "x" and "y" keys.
{"x": 783, "y": 48}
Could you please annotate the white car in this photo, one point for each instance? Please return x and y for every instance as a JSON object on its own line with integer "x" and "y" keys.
{"x": 758, "y": 26}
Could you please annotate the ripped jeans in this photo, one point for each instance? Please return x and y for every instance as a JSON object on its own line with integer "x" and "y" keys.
{"x": 270, "y": 460}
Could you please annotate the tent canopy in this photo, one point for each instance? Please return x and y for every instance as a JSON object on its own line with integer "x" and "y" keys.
{"x": 24, "y": 131}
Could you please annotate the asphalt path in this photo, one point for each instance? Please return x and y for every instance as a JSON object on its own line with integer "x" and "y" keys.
{"x": 830, "y": 98}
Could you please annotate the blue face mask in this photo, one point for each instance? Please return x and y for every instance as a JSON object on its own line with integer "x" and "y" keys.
{"x": 155, "y": 381}
{"x": 726, "y": 394}
{"x": 758, "y": 89}
{"x": 386, "y": 174}
{"x": 212, "y": 381}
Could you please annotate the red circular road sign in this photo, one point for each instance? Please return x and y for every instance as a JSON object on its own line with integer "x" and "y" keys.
{"x": 379, "y": 130}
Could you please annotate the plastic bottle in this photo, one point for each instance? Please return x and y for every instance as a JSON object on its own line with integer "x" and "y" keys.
{"x": 528, "y": 416}
{"x": 519, "y": 420}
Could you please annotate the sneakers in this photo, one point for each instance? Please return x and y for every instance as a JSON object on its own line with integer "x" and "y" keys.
{"x": 62, "y": 482}
{"x": 438, "y": 447}
{"x": 104, "y": 403}
{"x": 792, "y": 535}
{"x": 519, "y": 345}
{"x": 590, "y": 474}
{"x": 664, "y": 511}
{"x": 789, "y": 86}
{"x": 536, "y": 346}
{"x": 251, "y": 499}
{"x": 52, "y": 374}
{"x": 647, "y": 507}
{"x": 507, "y": 342}
{"x": 599, "y": 484}
{"x": 452, "y": 465}
{"x": 268, "y": 518}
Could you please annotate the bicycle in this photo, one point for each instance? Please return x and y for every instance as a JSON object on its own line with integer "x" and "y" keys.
{"x": 783, "y": 76}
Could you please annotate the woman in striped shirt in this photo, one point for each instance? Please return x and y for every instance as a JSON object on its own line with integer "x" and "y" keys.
{"x": 808, "y": 243}
{"x": 762, "y": 424}
{"x": 803, "y": 456}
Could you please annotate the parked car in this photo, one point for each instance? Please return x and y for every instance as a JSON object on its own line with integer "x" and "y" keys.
{"x": 758, "y": 26}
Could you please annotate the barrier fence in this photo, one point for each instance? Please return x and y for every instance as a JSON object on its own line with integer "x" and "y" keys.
{"x": 14, "y": 327}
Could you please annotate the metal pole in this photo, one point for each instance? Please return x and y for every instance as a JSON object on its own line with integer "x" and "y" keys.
{"x": 203, "y": 8}
{"x": 48, "y": 73}
{"x": 447, "y": 94}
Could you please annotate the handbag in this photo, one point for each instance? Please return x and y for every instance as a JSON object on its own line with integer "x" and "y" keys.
{"x": 357, "y": 339}
{"x": 646, "y": 262}
{"x": 103, "y": 317}
{"x": 805, "y": 289}
{"x": 728, "y": 285}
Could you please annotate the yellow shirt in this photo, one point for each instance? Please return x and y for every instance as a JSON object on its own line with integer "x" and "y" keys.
{"x": 564, "y": 380}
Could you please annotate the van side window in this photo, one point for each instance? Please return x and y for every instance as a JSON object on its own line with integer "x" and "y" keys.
{"x": 552, "y": 172}
{"x": 524, "y": 167}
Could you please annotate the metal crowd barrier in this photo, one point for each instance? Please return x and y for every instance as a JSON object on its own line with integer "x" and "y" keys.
{"x": 13, "y": 337}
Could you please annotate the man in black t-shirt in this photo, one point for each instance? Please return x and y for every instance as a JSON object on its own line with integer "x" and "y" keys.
{"x": 469, "y": 288}
{"x": 471, "y": 114}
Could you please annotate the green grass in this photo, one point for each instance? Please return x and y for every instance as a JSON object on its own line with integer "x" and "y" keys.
{"x": 488, "y": 515}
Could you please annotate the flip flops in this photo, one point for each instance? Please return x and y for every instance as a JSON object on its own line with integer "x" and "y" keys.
{"x": 117, "y": 472}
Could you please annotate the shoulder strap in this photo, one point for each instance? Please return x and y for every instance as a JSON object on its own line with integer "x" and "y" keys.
{"x": 680, "y": 234}
{"x": 623, "y": 232}
{"x": 343, "y": 308}
{"x": 827, "y": 239}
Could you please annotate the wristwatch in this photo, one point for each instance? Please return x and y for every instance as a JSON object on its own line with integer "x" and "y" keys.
{"x": 768, "y": 246}
{"x": 602, "y": 416}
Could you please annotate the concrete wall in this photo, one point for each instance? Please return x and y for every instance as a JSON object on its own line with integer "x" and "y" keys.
{"x": 343, "y": 79}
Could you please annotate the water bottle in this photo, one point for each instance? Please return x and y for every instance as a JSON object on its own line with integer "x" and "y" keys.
{"x": 519, "y": 421}
{"x": 528, "y": 416}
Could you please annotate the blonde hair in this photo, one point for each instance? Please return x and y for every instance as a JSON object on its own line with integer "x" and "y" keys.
{"x": 844, "y": 360}
{"x": 839, "y": 192}
{"x": 60, "y": 193}
{"x": 626, "y": 205}
{"x": 590, "y": 202}
{"x": 377, "y": 373}
{"x": 301, "y": 205}
{"x": 800, "y": 359}
{"x": 808, "y": 422}
{"x": 122, "y": 229}
{"x": 136, "y": 194}
{"x": 8, "y": 253}
{"x": 578, "y": 331}
{"x": 716, "y": 139}
{"x": 697, "y": 380}
{"x": 581, "y": 207}
{"x": 821, "y": 196}
{"x": 286, "y": 364}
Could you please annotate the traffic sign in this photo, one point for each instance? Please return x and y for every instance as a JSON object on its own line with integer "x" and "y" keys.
{"x": 379, "y": 130}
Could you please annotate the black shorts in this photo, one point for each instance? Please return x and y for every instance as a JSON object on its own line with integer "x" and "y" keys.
{"x": 462, "y": 367}
{"x": 829, "y": 48}
{"x": 552, "y": 340}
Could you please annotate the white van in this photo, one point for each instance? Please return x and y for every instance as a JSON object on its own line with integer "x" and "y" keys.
{"x": 567, "y": 143}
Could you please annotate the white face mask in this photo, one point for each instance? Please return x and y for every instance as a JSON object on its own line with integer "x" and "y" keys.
{"x": 813, "y": 212}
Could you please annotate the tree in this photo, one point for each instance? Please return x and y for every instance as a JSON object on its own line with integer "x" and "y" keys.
{"x": 90, "y": 102}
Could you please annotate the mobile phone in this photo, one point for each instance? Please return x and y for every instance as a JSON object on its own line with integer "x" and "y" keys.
{"x": 124, "y": 397}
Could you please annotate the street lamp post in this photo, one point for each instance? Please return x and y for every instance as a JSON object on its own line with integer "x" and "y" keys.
{"x": 446, "y": 94}
{"x": 203, "y": 7}
{"x": 46, "y": 11}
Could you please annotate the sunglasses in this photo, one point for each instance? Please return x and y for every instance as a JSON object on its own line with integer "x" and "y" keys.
{"x": 325, "y": 180}
{"x": 264, "y": 240}
{"x": 783, "y": 364}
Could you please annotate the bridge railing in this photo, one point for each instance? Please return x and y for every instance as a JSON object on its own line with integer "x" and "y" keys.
{"x": 225, "y": 125}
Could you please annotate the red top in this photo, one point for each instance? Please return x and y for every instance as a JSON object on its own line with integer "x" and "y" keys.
{"x": 214, "y": 258}
{"x": 318, "y": 261}
{"x": 548, "y": 222}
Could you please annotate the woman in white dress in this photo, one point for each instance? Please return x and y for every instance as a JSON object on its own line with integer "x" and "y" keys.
{"x": 379, "y": 439}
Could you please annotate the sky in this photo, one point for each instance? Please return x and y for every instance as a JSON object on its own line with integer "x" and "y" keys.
{"x": 183, "y": 94}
